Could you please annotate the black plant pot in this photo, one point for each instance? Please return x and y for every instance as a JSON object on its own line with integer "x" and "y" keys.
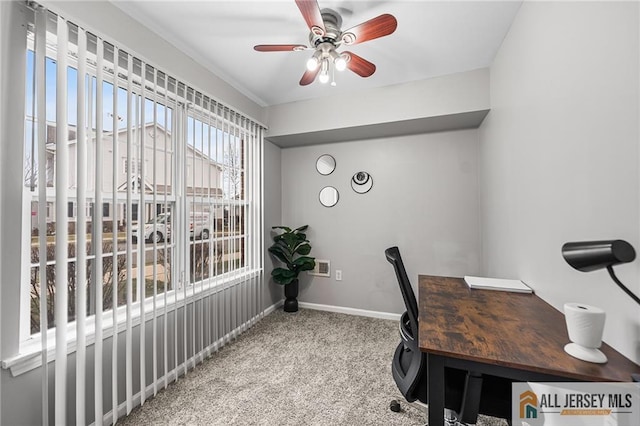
{"x": 291, "y": 294}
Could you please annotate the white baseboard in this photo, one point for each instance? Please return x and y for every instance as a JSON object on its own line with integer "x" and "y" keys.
{"x": 350, "y": 311}
{"x": 273, "y": 307}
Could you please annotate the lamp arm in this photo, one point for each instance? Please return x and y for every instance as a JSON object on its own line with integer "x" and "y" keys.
{"x": 622, "y": 286}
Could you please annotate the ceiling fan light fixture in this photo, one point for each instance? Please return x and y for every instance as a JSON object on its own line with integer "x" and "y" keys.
{"x": 312, "y": 64}
{"x": 339, "y": 62}
{"x": 324, "y": 73}
{"x": 314, "y": 61}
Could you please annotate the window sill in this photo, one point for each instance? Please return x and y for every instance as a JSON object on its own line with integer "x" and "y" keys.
{"x": 30, "y": 356}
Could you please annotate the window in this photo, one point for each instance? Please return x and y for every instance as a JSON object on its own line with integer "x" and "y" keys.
{"x": 177, "y": 243}
{"x": 133, "y": 115}
{"x": 214, "y": 191}
{"x": 137, "y": 167}
{"x": 116, "y": 136}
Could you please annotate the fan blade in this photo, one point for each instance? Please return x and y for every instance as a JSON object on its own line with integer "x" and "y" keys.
{"x": 279, "y": 47}
{"x": 360, "y": 66}
{"x": 311, "y": 14}
{"x": 380, "y": 26}
{"x": 309, "y": 76}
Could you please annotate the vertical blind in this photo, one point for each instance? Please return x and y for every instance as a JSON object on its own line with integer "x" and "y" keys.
{"x": 146, "y": 221}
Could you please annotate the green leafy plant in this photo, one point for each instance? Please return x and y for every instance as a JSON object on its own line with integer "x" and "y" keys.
{"x": 291, "y": 247}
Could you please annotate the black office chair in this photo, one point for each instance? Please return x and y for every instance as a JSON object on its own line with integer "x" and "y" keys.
{"x": 462, "y": 388}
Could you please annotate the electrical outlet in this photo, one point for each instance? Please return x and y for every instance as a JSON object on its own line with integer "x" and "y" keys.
{"x": 338, "y": 275}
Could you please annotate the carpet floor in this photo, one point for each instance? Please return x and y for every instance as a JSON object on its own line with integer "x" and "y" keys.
{"x": 306, "y": 368}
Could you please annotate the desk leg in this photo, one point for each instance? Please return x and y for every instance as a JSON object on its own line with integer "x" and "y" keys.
{"x": 435, "y": 383}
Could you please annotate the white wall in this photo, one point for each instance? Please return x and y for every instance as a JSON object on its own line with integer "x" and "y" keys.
{"x": 424, "y": 199}
{"x": 559, "y": 154}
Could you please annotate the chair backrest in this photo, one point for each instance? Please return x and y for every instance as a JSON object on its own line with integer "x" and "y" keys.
{"x": 393, "y": 256}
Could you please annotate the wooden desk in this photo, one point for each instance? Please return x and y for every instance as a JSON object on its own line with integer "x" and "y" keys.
{"x": 506, "y": 334}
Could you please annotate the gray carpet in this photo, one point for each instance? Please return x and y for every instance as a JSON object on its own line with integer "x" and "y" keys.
{"x": 307, "y": 368}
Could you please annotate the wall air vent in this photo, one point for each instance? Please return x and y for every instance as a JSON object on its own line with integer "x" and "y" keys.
{"x": 322, "y": 269}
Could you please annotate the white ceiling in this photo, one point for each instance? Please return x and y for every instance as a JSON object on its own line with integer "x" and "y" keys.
{"x": 433, "y": 38}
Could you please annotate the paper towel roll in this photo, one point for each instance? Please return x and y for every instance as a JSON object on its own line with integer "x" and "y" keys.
{"x": 585, "y": 324}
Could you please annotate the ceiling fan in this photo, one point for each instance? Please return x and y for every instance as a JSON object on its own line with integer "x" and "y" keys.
{"x": 326, "y": 37}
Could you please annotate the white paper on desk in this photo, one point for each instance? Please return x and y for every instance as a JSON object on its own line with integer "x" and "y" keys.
{"x": 497, "y": 284}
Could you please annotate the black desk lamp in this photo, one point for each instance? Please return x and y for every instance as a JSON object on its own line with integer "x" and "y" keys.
{"x": 587, "y": 256}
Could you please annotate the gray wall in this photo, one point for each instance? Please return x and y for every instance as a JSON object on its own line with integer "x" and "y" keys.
{"x": 272, "y": 213}
{"x": 559, "y": 154}
{"x": 424, "y": 199}
{"x": 436, "y": 97}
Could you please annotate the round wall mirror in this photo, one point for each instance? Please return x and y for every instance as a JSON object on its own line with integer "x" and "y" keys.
{"x": 326, "y": 164}
{"x": 362, "y": 182}
{"x": 329, "y": 196}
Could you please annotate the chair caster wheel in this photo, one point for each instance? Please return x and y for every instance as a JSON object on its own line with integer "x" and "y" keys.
{"x": 394, "y": 406}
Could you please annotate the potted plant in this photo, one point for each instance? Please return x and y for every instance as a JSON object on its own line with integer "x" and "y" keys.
{"x": 291, "y": 247}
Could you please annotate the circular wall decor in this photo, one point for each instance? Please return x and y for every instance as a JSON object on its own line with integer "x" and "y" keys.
{"x": 329, "y": 196}
{"x": 362, "y": 182}
{"x": 325, "y": 164}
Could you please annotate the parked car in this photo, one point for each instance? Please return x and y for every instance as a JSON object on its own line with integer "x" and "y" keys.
{"x": 156, "y": 230}
{"x": 200, "y": 225}
{"x": 159, "y": 228}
